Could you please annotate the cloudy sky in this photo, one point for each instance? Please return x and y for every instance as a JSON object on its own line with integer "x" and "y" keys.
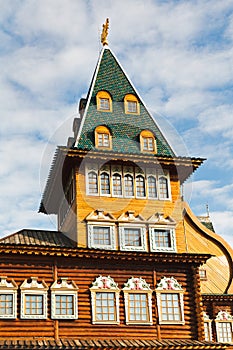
{"x": 179, "y": 55}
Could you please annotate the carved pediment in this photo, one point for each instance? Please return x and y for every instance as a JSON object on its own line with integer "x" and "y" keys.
{"x": 64, "y": 284}
{"x": 104, "y": 282}
{"x": 159, "y": 218}
{"x": 100, "y": 215}
{"x": 136, "y": 284}
{"x": 130, "y": 216}
{"x": 168, "y": 283}
{"x": 224, "y": 316}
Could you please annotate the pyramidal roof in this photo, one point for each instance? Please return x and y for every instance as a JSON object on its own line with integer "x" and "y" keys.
{"x": 125, "y": 128}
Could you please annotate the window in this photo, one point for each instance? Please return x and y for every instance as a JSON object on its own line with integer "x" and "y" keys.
{"x": 129, "y": 185}
{"x": 64, "y": 299}
{"x": 105, "y": 301}
{"x": 224, "y": 323}
{"x": 152, "y": 187}
{"x": 33, "y": 299}
{"x": 138, "y": 304}
{"x": 147, "y": 141}
{"x": 140, "y": 186}
{"x": 92, "y": 183}
{"x": 103, "y": 137}
{"x": 68, "y": 199}
{"x": 101, "y": 236}
{"x": 131, "y": 104}
{"x": 170, "y": 301}
{"x": 104, "y": 183}
{"x": 162, "y": 239}
{"x": 163, "y": 188}
{"x": 203, "y": 274}
{"x": 116, "y": 185}
{"x": 104, "y": 101}
{"x": 132, "y": 238}
{"x": 207, "y": 327}
{"x": 8, "y": 298}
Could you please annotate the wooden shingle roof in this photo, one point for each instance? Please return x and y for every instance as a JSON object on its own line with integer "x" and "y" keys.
{"x": 49, "y": 344}
{"x": 40, "y": 238}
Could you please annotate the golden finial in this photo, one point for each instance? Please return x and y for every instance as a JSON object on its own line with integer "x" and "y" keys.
{"x": 104, "y": 34}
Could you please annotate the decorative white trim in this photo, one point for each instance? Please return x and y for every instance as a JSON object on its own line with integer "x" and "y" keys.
{"x": 207, "y": 327}
{"x": 33, "y": 287}
{"x": 137, "y": 286}
{"x": 62, "y": 288}
{"x": 142, "y": 229}
{"x": 9, "y": 288}
{"x": 90, "y": 235}
{"x": 165, "y": 175}
{"x": 105, "y": 284}
{"x": 221, "y": 318}
{"x": 170, "y": 286}
{"x": 154, "y": 247}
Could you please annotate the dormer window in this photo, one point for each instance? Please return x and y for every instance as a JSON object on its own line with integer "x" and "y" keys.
{"x": 131, "y": 104}
{"x": 147, "y": 141}
{"x": 104, "y": 101}
{"x": 103, "y": 138}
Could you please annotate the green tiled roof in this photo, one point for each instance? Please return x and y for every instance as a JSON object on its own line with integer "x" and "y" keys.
{"x": 125, "y": 128}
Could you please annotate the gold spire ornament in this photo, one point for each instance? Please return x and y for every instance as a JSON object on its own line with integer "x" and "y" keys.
{"x": 104, "y": 34}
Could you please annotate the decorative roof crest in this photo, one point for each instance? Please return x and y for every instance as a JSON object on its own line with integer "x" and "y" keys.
{"x": 136, "y": 284}
{"x": 104, "y": 282}
{"x": 104, "y": 34}
{"x": 168, "y": 283}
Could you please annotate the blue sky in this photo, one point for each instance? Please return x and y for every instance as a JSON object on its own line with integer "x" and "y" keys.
{"x": 178, "y": 54}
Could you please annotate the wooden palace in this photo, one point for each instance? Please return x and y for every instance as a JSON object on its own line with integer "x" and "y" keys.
{"x": 130, "y": 265}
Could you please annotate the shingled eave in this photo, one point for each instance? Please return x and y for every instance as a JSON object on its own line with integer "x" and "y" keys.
{"x": 217, "y": 239}
{"x": 119, "y": 343}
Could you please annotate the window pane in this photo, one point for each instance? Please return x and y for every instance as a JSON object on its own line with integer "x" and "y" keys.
{"x": 104, "y": 183}
{"x": 34, "y": 304}
{"x": 101, "y": 235}
{"x": 117, "y": 185}
{"x": 105, "y": 306}
{"x": 140, "y": 186}
{"x": 132, "y": 106}
{"x": 103, "y": 140}
{"x": 128, "y": 182}
{"x": 92, "y": 182}
{"x": 152, "y": 187}
{"x": 132, "y": 237}
{"x": 138, "y": 307}
{"x": 170, "y": 307}
{"x": 163, "y": 187}
{"x": 148, "y": 144}
{"x": 6, "y": 304}
{"x": 162, "y": 238}
{"x": 224, "y": 332}
{"x": 104, "y": 103}
{"x": 64, "y": 304}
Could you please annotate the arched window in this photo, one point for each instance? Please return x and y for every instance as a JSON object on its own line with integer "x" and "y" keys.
{"x": 147, "y": 141}
{"x": 152, "y": 187}
{"x": 104, "y": 101}
{"x": 163, "y": 188}
{"x": 117, "y": 185}
{"x": 104, "y": 183}
{"x": 131, "y": 104}
{"x": 92, "y": 183}
{"x": 140, "y": 186}
{"x": 128, "y": 185}
{"x": 103, "y": 138}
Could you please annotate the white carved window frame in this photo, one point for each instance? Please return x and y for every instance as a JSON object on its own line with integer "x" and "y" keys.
{"x": 153, "y": 247}
{"x": 105, "y": 170}
{"x": 89, "y": 168}
{"x": 9, "y": 288}
{"x": 133, "y": 225}
{"x": 131, "y": 288}
{"x": 166, "y": 175}
{"x": 163, "y": 288}
{"x": 207, "y": 327}
{"x": 111, "y": 287}
{"x": 90, "y": 228}
{"x": 33, "y": 288}
{"x": 63, "y": 288}
{"x": 121, "y": 181}
{"x": 221, "y": 318}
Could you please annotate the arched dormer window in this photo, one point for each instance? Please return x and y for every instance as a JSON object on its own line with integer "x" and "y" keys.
{"x": 103, "y": 138}
{"x": 147, "y": 142}
{"x": 104, "y": 101}
{"x": 131, "y": 104}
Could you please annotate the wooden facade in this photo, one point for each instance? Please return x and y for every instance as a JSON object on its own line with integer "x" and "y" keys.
{"x": 124, "y": 182}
